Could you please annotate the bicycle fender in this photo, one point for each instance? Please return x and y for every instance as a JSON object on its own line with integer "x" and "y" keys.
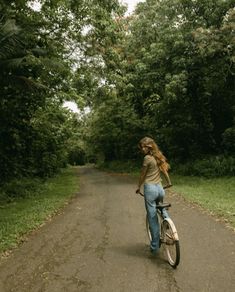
{"x": 171, "y": 223}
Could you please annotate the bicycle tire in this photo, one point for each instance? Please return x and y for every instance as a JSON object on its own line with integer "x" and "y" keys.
{"x": 171, "y": 241}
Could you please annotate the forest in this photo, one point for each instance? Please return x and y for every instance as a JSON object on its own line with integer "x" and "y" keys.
{"x": 165, "y": 71}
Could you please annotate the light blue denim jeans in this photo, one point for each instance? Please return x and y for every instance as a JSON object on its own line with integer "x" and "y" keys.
{"x": 153, "y": 194}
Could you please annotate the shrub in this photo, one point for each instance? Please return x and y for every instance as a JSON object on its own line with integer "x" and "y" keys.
{"x": 213, "y": 166}
{"x": 128, "y": 166}
{"x": 76, "y": 156}
{"x": 229, "y": 140}
{"x": 20, "y": 188}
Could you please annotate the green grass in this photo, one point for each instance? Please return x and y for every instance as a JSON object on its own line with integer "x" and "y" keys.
{"x": 216, "y": 195}
{"x": 22, "y": 215}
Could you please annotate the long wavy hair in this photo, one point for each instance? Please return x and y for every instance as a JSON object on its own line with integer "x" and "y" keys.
{"x": 155, "y": 152}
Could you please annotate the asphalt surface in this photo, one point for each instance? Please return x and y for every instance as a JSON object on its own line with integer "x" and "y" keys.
{"x": 99, "y": 243}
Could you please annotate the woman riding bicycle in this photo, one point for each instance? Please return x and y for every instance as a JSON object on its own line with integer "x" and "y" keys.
{"x": 153, "y": 165}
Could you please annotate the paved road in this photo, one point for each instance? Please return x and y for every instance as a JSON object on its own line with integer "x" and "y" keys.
{"x": 99, "y": 244}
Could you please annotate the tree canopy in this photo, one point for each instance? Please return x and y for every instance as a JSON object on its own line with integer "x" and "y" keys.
{"x": 166, "y": 71}
{"x": 174, "y": 71}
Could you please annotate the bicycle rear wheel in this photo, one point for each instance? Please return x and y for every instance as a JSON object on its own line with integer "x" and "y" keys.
{"x": 171, "y": 240}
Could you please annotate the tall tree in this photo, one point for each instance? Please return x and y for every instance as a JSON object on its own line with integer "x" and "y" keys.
{"x": 39, "y": 51}
{"x": 181, "y": 69}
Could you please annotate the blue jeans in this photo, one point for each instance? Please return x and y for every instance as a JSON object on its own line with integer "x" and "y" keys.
{"x": 153, "y": 194}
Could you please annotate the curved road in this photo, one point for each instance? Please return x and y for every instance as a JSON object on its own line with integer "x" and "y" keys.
{"x": 99, "y": 244}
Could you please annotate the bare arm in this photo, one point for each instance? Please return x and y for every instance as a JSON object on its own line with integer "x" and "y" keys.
{"x": 166, "y": 175}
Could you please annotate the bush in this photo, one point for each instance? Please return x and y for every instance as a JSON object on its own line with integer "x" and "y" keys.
{"x": 20, "y": 188}
{"x": 77, "y": 156}
{"x": 229, "y": 140}
{"x": 214, "y": 166}
{"x": 128, "y": 166}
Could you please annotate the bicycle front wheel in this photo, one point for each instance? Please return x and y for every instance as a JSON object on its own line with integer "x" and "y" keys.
{"x": 171, "y": 240}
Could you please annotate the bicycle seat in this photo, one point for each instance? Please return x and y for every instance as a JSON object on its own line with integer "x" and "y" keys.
{"x": 163, "y": 205}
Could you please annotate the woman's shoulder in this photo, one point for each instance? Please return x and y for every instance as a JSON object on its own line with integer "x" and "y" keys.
{"x": 148, "y": 157}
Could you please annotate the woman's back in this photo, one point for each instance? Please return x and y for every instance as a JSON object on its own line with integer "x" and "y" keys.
{"x": 153, "y": 171}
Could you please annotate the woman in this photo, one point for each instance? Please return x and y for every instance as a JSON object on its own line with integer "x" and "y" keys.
{"x": 153, "y": 165}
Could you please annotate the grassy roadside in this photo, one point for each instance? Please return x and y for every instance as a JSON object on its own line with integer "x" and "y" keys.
{"x": 25, "y": 214}
{"x": 217, "y": 195}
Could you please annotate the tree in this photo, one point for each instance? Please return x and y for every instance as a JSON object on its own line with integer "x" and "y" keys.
{"x": 182, "y": 73}
{"x": 38, "y": 54}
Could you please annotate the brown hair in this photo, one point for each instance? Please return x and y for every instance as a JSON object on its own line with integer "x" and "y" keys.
{"x": 155, "y": 152}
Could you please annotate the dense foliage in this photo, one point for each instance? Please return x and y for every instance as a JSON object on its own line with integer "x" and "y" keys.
{"x": 41, "y": 44}
{"x": 166, "y": 71}
{"x": 174, "y": 78}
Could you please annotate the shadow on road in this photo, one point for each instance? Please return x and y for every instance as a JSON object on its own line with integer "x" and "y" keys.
{"x": 140, "y": 250}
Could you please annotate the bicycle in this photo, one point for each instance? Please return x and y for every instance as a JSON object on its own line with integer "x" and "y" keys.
{"x": 168, "y": 234}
